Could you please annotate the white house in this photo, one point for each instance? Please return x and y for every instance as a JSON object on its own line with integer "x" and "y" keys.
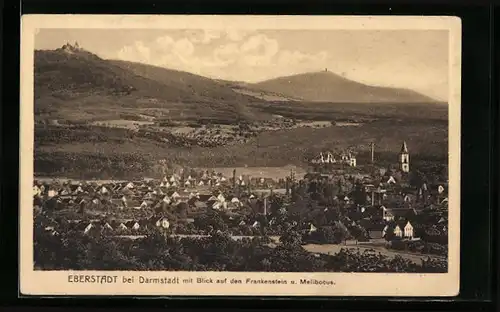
{"x": 221, "y": 198}
{"x": 217, "y": 205}
{"x": 167, "y": 200}
{"x": 440, "y": 189}
{"x": 312, "y": 228}
{"x": 87, "y": 229}
{"x": 398, "y": 232}
{"x": 133, "y": 225}
{"x": 235, "y": 200}
{"x": 408, "y": 230}
{"x": 175, "y": 195}
{"x": 78, "y": 190}
{"x": 51, "y": 193}
{"x": 163, "y": 222}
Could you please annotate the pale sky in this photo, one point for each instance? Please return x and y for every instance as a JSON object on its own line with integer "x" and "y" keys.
{"x": 413, "y": 59}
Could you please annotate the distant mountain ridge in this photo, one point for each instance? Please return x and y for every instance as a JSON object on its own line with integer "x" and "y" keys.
{"x": 73, "y": 68}
{"x": 326, "y": 86}
{"x": 72, "y": 83}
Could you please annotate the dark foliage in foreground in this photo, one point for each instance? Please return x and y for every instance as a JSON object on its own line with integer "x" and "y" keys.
{"x": 74, "y": 251}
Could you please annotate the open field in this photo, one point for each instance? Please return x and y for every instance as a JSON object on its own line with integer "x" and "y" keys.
{"x": 121, "y": 123}
{"x": 101, "y": 153}
{"x": 266, "y": 96}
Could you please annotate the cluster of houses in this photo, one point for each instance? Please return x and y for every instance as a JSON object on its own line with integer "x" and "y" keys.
{"x": 402, "y": 212}
{"x": 347, "y": 158}
{"x": 153, "y": 202}
{"x": 385, "y": 204}
{"x": 199, "y": 189}
{"x": 139, "y": 195}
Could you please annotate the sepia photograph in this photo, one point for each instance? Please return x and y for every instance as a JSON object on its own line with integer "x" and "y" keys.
{"x": 255, "y": 155}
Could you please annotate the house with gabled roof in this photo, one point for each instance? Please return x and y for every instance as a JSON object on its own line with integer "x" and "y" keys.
{"x": 119, "y": 226}
{"x": 408, "y": 230}
{"x": 78, "y": 190}
{"x": 133, "y": 225}
{"x": 398, "y": 230}
{"x": 86, "y": 227}
{"x": 103, "y": 190}
{"x": 221, "y": 197}
{"x": 105, "y": 226}
{"x": 166, "y": 199}
{"x": 163, "y": 222}
{"x": 219, "y": 205}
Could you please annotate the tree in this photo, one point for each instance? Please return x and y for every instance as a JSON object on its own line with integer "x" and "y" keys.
{"x": 359, "y": 194}
{"x": 291, "y": 239}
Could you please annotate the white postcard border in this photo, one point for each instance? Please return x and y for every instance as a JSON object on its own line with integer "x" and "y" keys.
{"x": 346, "y": 284}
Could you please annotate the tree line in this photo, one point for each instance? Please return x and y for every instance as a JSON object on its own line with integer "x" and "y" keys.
{"x": 72, "y": 250}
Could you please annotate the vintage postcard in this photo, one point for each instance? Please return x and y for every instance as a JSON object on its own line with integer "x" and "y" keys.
{"x": 240, "y": 155}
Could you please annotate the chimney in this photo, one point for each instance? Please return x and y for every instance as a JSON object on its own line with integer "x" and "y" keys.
{"x": 265, "y": 206}
{"x": 234, "y": 178}
{"x": 372, "y": 145}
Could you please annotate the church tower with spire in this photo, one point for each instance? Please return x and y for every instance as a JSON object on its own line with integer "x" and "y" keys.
{"x": 404, "y": 158}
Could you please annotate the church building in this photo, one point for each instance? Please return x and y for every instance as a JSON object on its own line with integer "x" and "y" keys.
{"x": 404, "y": 158}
